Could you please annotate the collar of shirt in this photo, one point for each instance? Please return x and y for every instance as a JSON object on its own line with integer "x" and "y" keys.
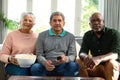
{"x": 61, "y": 34}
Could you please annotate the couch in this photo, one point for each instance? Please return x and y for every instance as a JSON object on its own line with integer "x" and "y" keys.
{"x": 2, "y": 71}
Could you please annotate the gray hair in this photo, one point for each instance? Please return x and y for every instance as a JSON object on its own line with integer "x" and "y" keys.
{"x": 57, "y": 13}
{"x": 27, "y": 13}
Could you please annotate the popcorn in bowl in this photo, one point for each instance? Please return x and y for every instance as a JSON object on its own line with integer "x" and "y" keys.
{"x": 25, "y": 60}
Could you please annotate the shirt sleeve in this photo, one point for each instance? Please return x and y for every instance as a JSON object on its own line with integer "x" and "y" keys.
{"x": 40, "y": 50}
{"x": 115, "y": 47}
{"x": 6, "y": 49}
{"x": 85, "y": 45}
{"x": 71, "y": 53}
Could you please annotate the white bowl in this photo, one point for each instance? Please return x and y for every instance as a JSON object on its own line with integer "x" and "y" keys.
{"x": 25, "y": 60}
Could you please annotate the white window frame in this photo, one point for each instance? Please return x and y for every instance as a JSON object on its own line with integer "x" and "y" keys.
{"x": 77, "y": 20}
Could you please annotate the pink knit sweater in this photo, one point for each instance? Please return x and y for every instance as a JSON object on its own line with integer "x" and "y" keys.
{"x": 18, "y": 43}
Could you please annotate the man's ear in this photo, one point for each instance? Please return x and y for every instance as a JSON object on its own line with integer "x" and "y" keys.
{"x": 50, "y": 23}
{"x": 103, "y": 21}
{"x": 64, "y": 23}
{"x": 89, "y": 23}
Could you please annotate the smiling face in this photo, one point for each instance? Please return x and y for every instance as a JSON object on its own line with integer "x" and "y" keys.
{"x": 96, "y": 22}
{"x": 27, "y": 22}
{"x": 57, "y": 24}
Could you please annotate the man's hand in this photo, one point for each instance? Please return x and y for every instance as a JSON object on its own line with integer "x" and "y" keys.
{"x": 91, "y": 62}
{"x": 62, "y": 60}
{"x": 49, "y": 66}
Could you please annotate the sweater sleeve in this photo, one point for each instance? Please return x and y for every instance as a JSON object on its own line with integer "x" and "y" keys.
{"x": 6, "y": 49}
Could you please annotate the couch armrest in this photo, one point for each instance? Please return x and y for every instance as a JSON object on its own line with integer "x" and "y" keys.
{"x": 2, "y": 71}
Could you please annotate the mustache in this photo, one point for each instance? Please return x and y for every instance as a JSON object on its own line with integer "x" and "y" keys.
{"x": 57, "y": 25}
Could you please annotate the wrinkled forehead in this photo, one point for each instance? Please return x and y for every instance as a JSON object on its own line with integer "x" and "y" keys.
{"x": 96, "y": 16}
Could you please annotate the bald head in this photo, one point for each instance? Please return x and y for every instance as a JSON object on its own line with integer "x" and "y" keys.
{"x": 95, "y": 15}
{"x": 96, "y": 22}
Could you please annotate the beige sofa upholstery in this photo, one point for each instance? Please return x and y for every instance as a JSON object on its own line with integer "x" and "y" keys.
{"x": 77, "y": 49}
